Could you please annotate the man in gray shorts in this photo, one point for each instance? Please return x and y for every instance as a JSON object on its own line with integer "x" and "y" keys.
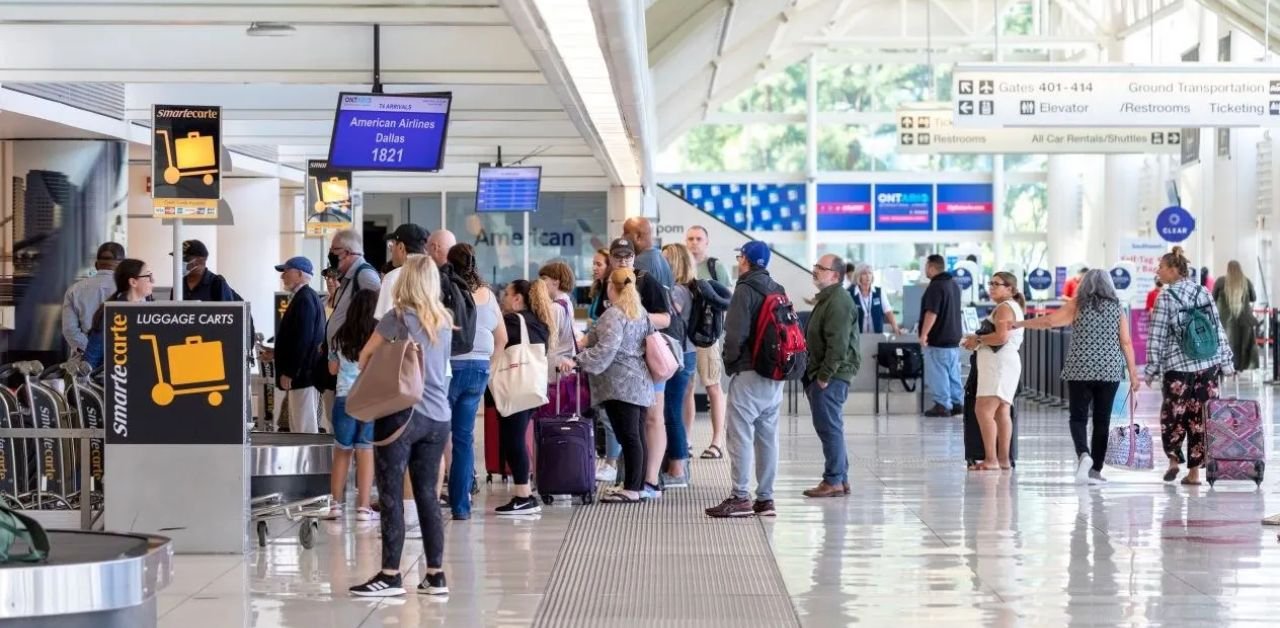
{"x": 710, "y": 359}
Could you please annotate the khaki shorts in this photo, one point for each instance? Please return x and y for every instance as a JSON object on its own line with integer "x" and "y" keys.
{"x": 710, "y": 365}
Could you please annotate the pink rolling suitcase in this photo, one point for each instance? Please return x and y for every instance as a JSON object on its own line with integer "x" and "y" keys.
{"x": 1235, "y": 446}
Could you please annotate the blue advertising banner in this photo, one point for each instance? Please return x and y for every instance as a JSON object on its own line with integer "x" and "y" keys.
{"x": 844, "y": 207}
{"x": 965, "y": 206}
{"x": 390, "y": 132}
{"x": 726, "y": 201}
{"x": 778, "y": 206}
{"x": 1059, "y": 280}
{"x": 904, "y": 207}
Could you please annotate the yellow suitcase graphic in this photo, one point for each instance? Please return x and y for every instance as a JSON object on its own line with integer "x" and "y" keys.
{"x": 195, "y": 151}
{"x": 335, "y": 190}
{"x": 193, "y": 362}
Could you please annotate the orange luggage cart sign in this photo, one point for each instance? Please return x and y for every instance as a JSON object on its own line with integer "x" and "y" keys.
{"x": 328, "y": 198}
{"x": 186, "y": 155}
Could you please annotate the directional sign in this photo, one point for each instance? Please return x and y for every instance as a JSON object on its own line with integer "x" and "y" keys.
{"x": 1040, "y": 95}
{"x": 927, "y": 129}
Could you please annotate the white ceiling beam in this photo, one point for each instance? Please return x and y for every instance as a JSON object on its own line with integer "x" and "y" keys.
{"x": 295, "y": 77}
{"x": 1082, "y": 16}
{"x": 709, "y": 12}
{"x": 1168, "y": 10}
{"x": 1007, "y": 42}
{"x": 119, "y": 13}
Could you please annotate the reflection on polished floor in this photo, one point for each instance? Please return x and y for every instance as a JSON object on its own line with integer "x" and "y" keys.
{"x": 921, "y": 542}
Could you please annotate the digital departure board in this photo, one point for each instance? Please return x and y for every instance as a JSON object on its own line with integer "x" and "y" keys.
{"x": 404, "y": 132}
{"x": 509, "y": 189}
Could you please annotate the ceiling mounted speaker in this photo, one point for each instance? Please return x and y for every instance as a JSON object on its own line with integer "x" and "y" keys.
{"x": 269, "y": 29}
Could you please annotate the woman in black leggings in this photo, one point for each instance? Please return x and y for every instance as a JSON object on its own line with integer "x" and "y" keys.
{"x": 528, "y": 303}
{"x": 422, "y": 431}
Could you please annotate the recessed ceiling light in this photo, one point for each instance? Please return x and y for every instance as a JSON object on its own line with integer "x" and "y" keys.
{"x": 269, "y": 29}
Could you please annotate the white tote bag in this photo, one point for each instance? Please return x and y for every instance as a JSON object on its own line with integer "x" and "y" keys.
{"x": 519, "y": 375}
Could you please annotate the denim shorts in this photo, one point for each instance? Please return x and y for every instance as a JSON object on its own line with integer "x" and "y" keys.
{"x": 347, "y": 431}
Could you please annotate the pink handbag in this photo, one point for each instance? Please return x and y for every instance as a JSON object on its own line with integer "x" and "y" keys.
{"x": 660, "y": 355}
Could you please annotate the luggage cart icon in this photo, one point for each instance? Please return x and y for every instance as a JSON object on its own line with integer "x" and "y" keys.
{"x": 196, "y": 156}
{"x": 330, "y": 192}
{"x": 193, "y": 362}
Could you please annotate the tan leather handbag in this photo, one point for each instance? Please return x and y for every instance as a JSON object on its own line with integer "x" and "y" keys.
{"x": 391, "y": 382}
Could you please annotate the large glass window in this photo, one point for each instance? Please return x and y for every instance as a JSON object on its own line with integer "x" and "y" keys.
{"x": 854, "y": 147}
{"x": 783, "y": 92}
{"x": 737, "y": 147}
{"x": 568, "y": 226}
{"x": 875, "y": 86}
{"x": 1026, "y": 208}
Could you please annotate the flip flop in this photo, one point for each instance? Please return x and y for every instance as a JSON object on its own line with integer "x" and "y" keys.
{"x": 712, "y": 452}
{"x": 1190, "y": 482}
{"x": 620, "y": 498}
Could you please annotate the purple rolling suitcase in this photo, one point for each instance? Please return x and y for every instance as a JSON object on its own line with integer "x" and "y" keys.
{"x": 566, "y": 460}
{"x": 1235, "y": 446}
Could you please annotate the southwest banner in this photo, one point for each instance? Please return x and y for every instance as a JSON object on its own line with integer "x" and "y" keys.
{"x": 844, "y": 207}
{"x": 965, "y": 206}
{"x": 176, "y": 374}
{"x": 328, "y": 198}
{"x": 186, "y": 161}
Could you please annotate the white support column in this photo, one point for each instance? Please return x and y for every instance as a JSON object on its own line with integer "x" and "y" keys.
{"x": 998, "y": 190}
{"x": 811, "y": 161}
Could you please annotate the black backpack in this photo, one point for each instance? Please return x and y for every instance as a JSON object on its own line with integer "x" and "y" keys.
{"x": 706, "y": 325}
{"x": 456, "y": 296}
{"x": 901, "y": 360}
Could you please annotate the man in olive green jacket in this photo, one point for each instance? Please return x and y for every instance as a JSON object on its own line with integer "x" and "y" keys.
{"x": 834, "y": 359}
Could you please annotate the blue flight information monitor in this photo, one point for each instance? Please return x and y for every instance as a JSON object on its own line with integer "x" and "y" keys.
{"x": 510, "y": 189}
{"x": 390, "y": 132}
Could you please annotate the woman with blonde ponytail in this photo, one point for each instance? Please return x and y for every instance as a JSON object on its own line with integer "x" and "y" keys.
{"x": 526, "y": 301}
{"x": 1234, "y": 296}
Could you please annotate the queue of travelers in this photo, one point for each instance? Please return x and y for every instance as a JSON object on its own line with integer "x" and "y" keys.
{"x": 434, "y": 296}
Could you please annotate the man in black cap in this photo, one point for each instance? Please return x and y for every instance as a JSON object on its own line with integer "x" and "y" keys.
{"x": 201, "y": 283}
{"x": 408, "y": 239}
{"x": 85, "y": 297}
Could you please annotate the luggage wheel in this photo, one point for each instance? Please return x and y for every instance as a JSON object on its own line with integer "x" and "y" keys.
{"x": 1211, "y": 472}
{"x": 1259, "y": 469}
{"x": 548, "y": 499}
{"x": 307, "y": 533}
{"x": 262, "y": 533}
{"x": 488, "y": 478}
{"x": 588, "y": 499}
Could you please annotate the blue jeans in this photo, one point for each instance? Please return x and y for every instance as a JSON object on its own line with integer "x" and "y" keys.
{"x": 673, "y": 408}
{"x": 942, "y": 376}
{"x": 827, "y": 406}
{"x": 466, "y": 390}
{"x": 348, "y": 433}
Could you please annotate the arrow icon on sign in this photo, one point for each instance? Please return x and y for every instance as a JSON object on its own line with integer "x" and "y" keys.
{"x": 966, "y": 107}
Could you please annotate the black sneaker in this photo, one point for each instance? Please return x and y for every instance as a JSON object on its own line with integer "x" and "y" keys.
{"x": 381, "y": 585}
{"x": 520, "y": 506}
{"x": 957, "y": 410}
{"x": 764, "y": 508}
{"x": 434, "y": 584}
{"x": 938, "y": 411}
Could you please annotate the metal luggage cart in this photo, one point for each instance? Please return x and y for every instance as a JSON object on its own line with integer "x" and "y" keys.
{"x": 307, "y": 511}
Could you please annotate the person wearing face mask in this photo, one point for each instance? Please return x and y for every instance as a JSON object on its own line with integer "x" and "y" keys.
{"x": 203, "y": 284}
{"x": 298, "y": 344}
{"x": 347, "y": 263}
{"x": 834, "y": 359}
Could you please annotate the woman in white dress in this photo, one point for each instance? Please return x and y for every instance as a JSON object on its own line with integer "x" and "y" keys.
{"x": 999, "y": 369}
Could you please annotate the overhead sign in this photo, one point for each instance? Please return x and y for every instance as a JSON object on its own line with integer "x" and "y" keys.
{"x": 1175, "y": 224}
{"x": 390, "y": 131}
{"x": 1040, "y": 279}
{"x": 965, "y": 206}
{"x": 186, "y": 156}
{"x": 931, "y": 131}
{"x": 1047, "y": 95}
{"x": 509, "y": 189}
{"x": 904, "y": 207}
{"x": 328, "y": 198}
{"x": 844, "y": 206}
{"x": 176, "y": 373}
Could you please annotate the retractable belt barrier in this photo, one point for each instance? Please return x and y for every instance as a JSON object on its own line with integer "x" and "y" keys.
{"x": 1044, "y": 353}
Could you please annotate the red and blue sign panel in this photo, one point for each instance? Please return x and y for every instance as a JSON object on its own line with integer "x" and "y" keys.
{"x": 904, "y": 207}
{"x": 844, "y": 207}
{"x": 965, "y": 206}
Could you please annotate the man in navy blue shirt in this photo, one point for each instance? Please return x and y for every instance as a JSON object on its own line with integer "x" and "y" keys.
{"x": 201, "y": 283}
{"x": 298, "y": 344}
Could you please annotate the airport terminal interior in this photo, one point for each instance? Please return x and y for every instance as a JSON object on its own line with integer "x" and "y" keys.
{"x": 817, "y": 313}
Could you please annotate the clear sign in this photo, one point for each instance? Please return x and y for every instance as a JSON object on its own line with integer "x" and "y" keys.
{"x": 186, "y": 161}
{"x": 904, "y": 207}
{"x": 965, "y": 206}
{"x": 1175, "y": 224}
{"x": 844, "y": 206}
{"x": 1061, "y": 95}
{"x": 390, "y": 131}
{"x": 929, "y": 130}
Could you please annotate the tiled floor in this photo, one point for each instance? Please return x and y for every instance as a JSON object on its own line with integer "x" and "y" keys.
{"x": 920, "y": 542}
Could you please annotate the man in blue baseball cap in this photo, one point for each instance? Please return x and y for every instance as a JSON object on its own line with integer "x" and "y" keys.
{"x": 298, "y": 343}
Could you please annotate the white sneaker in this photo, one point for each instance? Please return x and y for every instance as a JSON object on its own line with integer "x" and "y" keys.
{"x": 607, "y": 474}
{"x": 1095, "y": 478}
{"x": 1083, "y": 467}
{"x": 366, "y": 514}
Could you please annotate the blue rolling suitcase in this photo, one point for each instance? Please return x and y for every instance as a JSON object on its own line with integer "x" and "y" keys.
{"x": 566, "y": 455}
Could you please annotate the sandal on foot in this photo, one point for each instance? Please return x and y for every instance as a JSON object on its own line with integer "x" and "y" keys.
{"x": 712, "y": 452}
{"x": 1171, "y": 475}
{"x": 620, "y": 498}
{"x": 1190, "y": 482}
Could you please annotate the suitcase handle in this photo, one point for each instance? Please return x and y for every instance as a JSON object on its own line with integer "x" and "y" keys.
{"x": 194, "y": 340}
{"x": 193, "y": 134}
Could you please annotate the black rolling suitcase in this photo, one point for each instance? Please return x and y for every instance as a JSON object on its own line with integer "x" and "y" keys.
{"x": 566, "y": 455}
{"x": 974, "y": 451}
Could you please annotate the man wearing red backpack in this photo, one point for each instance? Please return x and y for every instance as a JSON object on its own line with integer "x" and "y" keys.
{"x": 763, "y": 347}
